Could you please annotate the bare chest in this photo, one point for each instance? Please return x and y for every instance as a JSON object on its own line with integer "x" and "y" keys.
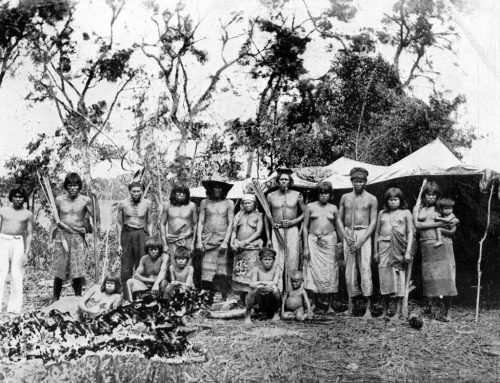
{"x": 139, "y": 210}
{"x": 76, "y": 207}
{"x": 216, "y": 208}
{"x": 287, "y": 200}
{"x": 183, "y": 212}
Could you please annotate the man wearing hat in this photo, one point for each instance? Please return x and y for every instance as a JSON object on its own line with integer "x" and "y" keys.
{"x": 287, "y": 208}
{"x": 214, "y": 232}
{"x": 246, "y": 243}
{"x": 356, "y": 222}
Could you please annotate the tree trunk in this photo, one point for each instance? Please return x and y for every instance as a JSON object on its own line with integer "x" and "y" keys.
{"x": 249, "y": 164}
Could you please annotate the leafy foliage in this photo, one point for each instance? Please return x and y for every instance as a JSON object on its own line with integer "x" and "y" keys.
{"x": 21, "y": 26}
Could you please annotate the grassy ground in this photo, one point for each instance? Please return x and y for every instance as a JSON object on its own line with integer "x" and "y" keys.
{"x": 329, "y": 349}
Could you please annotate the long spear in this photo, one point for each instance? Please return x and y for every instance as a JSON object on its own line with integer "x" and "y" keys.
{"x": 267, "y": 211}
{"x": 47, "y": 191}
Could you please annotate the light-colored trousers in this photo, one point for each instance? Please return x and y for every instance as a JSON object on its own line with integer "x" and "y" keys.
{"x": 360, "y": 262}
{"x": 11, "y": 255}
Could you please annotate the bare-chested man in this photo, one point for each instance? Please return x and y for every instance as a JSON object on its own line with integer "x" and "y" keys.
{"x": 178, "y": 221}
{"x": 356, "y": 222}
{"x": 16, "y": 222}
{"x": 287, "y": 207}
{"x": 246, "y": 244}
{"x": 151, "y": 272}
{"x": 214, "y": 231}
{"x": 320, "y": 246}
{"x": 134, "y": 223}
{"x": 69, "y": 235}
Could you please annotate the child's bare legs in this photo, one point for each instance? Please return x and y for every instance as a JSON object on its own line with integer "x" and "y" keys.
{"x": 288, "y": 315}
{"x": 439, "y": 235}
{"x": 299, "y": 314}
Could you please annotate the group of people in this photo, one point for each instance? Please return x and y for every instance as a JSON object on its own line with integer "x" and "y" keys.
{"x": 283, "y": 262}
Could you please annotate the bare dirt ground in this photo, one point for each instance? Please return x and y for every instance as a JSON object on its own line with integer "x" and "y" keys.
{"x": 329, "y": 349}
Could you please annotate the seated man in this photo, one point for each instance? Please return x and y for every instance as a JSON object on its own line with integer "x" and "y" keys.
{"x": 264, "y": 287}
{"x": 101, "y": 299}
{"x": 151, "y": 272}
{"x": 181, "y": 274}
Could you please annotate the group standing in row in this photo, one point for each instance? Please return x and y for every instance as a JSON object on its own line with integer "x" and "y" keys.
{"x": 262, "y": 268}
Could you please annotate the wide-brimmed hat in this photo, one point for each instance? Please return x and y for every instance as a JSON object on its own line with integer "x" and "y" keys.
{"x": 217, "y": 180}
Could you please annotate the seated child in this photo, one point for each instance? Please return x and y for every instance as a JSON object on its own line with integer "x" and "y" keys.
{"x": 445, "y": 215}
{"x": 151, "y": 272}
{"x": 101, "y": 299}
{"x": 296, "y": 299}
{"x": 181, "y": 275}
{"x": 264, "y": 286}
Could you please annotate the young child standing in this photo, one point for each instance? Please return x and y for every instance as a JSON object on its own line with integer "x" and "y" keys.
{"x": 393, "y": 243}
{"x": 180, "y": 273}
{"x": 445, "y": 215}
{"x": 264, "y": 287}
{"x": 296, "y": 299}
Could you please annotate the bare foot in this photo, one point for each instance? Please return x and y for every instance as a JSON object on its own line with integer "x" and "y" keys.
{"x": 330, "y": 311}
{"x": 247, "y": 321}
{"x": 368, "y": 314}
{"x": 447, "y": 318}
{"x": 275, "y": 318}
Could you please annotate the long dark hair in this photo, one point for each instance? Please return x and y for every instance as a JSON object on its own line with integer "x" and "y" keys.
{"x": 179, "y": 188}
{"x": 433, "y": 187}
{"x": 115, "y": 280}
{"x": 72, "y": 178}
{"x": 394, "y": 193}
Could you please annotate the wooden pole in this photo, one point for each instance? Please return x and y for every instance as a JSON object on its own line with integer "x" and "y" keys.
{"x": 409, "y": 287}
{"x": 481, "y": 242}
{"x": 96, "y": 239}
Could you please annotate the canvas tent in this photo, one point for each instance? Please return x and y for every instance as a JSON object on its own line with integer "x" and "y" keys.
{"x": 459, "y": 181}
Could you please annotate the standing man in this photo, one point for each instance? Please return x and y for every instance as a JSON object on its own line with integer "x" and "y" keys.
{"x": 134, "y": 223}
{"x": 214, "y": 232}
{"x": 16, "y": 222}
{"x": 320, "y": 246}
{"x": 69, "y": 235}
{"x": 246, "y": 244}
{"x": 356, "y": 222}
{"x": 178, "y": 221}
{"x": 286, "y": 204}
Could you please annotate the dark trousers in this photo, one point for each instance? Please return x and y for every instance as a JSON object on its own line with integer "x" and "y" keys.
{"x": 132, "y": 241}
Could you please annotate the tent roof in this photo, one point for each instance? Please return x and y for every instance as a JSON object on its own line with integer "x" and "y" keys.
{"x": 343, "y": 166}
{"x": 431, "y": 160}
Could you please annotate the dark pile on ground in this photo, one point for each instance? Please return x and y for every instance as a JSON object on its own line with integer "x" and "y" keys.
{"x": 149, "y": 326}
{"x": 328, "y": 349}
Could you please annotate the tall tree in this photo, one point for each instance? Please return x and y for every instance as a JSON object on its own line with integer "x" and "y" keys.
{"x": 70, "y": 83}
{"x": 19, "y": 26}
{"x": 414, "y": 29}
{"x": 179, "y": 58}
{"x": 279, "y": 63}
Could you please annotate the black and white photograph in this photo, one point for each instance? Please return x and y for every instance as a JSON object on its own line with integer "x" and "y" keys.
{"x": 238, "y": 191}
